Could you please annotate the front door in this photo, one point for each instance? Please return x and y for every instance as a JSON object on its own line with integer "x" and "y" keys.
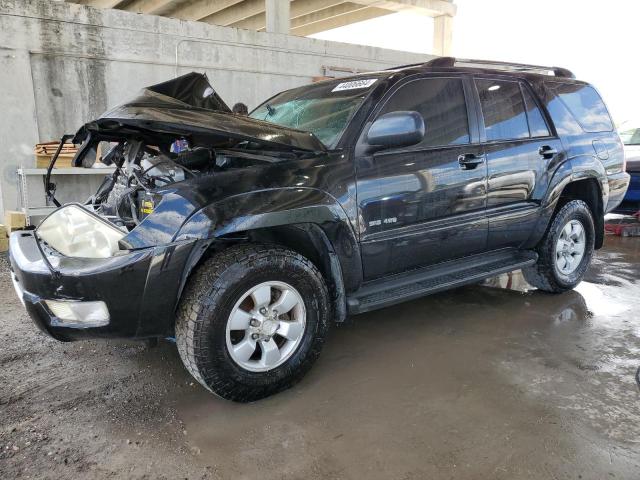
{"x": 424, "y": 204}
{"x": 520, "y": 152}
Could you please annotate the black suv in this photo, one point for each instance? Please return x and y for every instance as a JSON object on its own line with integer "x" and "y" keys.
{"x": 244, "y": 237}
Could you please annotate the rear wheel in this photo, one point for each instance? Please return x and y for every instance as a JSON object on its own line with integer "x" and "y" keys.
{"x": 566, "y": 250}
{"x": 252, "y": 321}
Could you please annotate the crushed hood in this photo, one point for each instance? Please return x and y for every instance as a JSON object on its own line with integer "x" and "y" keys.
{"x": 193, "y": 89}
{"x": 189, "y": 105}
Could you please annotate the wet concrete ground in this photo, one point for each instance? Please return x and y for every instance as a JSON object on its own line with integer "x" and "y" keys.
{"x": 484, "y": 382}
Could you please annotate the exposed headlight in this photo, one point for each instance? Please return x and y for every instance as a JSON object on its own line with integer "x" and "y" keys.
{"x": 76, "y": 232}
{"x": 78, "y": 314}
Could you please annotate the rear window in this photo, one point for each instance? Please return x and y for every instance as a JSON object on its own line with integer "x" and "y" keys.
{"x": 585, "y": 105}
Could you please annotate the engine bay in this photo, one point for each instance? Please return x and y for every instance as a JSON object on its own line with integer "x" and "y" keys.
{"x": 129, "y": 194}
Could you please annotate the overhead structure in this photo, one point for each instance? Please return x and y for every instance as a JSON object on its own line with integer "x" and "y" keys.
{"x": 295, "y": 17}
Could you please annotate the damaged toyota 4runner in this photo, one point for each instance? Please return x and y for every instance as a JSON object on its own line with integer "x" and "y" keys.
{"x": 245, "y": 237}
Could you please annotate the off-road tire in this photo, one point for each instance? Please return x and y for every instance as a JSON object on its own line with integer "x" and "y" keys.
{"x": 208, "y": 299}
{"x": 544, "y": 275}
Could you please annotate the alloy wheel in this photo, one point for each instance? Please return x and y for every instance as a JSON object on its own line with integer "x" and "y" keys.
{"x": 266, "y": 326}
{"x": 570, "y": 247}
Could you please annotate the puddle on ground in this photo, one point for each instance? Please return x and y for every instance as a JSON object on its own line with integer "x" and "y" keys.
{"x": 596, "y": 329}
{"x": 451, "y": 380}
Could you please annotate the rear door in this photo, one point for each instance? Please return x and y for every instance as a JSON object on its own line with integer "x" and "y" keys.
{"x": 419, "y": 205}
{"x": 521, "y": 153}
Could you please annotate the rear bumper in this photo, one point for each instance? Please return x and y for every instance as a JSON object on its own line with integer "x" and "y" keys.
{"x": 631, "y": 202}
{"x": 139, "y": 288}
{"x": 618, "y": 185}
{"x": 633, "y": 192}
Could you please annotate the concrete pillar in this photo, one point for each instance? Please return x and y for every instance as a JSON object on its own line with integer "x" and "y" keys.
{"x": 442, "y": 35}
{"x": 278, "y": 18}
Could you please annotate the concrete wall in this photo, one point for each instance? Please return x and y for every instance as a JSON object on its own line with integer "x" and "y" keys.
{"x": 64, "y": 64}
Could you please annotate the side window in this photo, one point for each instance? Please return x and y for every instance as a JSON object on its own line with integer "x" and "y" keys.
{"x": 537, "y": 125}
{"x": 441, "y": 103}
{"x": 585, "y": 105}
{"x": 503, "y": 109}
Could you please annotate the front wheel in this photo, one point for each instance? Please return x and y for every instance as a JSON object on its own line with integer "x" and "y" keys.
{"x": 252, "y": 321}
{"x": 565, "y": 251}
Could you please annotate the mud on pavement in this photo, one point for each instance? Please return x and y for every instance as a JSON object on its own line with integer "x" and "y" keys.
{"x": 490, "y": 381}
{"x": 87, "y": 409}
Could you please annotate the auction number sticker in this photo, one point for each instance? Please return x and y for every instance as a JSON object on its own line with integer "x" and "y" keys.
{"x": 354, "y": 84}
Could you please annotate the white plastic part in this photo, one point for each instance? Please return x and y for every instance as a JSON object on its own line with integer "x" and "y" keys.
{"x": 75, "y": 232}
{"x": 18, "y": 288}
{"x": 79, "y": 314}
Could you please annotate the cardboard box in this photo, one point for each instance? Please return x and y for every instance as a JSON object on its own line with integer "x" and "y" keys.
{"x": 64, "y": 161}
{"x": 4, "y": 244}
{"x": 45, "y": 151}
{"x": 14, "y": 220}
{"x": 3, "y": 232}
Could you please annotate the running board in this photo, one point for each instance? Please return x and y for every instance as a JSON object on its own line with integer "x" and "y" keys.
{"x": 435, "y": 278}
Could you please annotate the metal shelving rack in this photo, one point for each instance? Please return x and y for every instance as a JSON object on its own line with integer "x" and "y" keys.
{"x": 41, "y": 208}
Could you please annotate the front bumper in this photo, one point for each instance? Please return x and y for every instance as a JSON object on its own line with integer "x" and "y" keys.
{"x": 140, "y": 288}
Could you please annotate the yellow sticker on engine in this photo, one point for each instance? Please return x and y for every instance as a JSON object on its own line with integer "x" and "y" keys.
{"x": 146, "y": 207}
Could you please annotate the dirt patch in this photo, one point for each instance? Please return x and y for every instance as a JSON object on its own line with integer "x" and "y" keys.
{"x": 88, "y": 409}
{"x": 494, "y": 381}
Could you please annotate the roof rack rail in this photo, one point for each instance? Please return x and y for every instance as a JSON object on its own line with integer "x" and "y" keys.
{"x": 449, "y": 62}
{"x": 518, "y": 67}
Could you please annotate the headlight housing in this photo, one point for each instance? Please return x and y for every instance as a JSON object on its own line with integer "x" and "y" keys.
{"x": 75, "y": 232}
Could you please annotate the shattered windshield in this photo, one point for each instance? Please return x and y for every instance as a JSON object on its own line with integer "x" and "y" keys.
{"x": 323, "y": 109}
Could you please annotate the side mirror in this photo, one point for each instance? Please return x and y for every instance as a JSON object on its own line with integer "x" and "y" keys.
{"x": 396, "y": 129}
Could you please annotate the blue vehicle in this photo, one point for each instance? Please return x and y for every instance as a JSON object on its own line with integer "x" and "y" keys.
{"x": 631, "y": 140}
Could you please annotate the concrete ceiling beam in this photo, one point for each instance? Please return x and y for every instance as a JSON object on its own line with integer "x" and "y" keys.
{"x": 342, "y": 10}
{"x": 201, "y": 9}
{"x": 305, "y": 7}
{"x": 236, "y": 13}
{"x": 298, "y": 8}
{"x": 431, "y": 8}
{"x": 102, "y": 3}
{"x": 305, "y": 26}
{"x": 154, "y": 7}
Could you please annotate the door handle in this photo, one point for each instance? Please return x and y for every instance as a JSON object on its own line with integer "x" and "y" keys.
{"x": 547, "y": 152}
{"x": 469, "y": 161}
